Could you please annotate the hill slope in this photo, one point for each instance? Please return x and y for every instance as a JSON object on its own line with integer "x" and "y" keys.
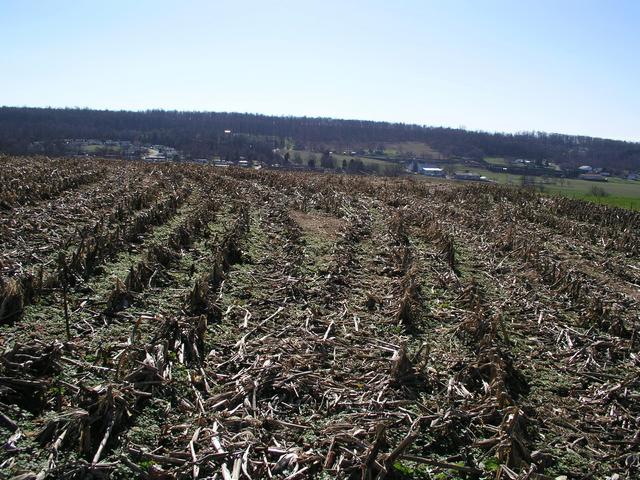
{"x": 201, "y": 133}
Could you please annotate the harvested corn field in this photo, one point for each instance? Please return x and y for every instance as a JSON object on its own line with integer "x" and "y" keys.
{"x": 179, "y": 321}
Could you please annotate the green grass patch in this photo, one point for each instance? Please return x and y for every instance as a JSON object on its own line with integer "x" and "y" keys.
{"x": 102, "y": 148}
{"x": 496, "y": 161}
{"x": 617, "y": 191}
{"x": 613, "y": 201}
{"x": 405, "y": 149}
{"x": 304, "y": 157}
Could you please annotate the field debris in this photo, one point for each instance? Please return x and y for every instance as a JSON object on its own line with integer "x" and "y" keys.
{"x": 228, "y": 323}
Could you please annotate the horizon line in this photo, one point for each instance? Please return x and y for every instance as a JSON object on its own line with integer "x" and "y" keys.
{"x": 425, "y": 126}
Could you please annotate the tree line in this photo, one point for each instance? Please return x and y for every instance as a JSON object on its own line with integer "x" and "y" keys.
{"x": 203, "y": 134}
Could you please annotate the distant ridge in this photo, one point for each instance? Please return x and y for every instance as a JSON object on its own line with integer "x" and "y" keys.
{"x": 199, "y": 132}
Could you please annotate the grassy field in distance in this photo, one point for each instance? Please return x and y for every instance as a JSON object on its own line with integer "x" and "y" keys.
{"x": 394, "y": 151}
{"x": 419, "y": 149}
{"x": 496, "y": 161}
{"x": 101, "y": 148}
{"x": 338, "y": 158}
{"x": 618, "y": 192}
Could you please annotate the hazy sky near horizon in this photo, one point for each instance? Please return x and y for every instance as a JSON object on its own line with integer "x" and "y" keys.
{"x": 568, "y": 66}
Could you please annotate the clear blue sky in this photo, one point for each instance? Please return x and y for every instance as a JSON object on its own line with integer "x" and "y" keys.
{"x": 570, "y": 66}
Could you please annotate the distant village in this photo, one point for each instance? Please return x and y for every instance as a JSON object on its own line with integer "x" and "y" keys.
{"x": 108, "y": 149}
{"x": 516, "y": 166}
{"x": 464, "y": 169}
{"x": 128, "y": 150}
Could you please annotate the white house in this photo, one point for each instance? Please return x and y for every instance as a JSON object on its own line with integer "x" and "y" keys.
{"x": 432, "y": 172}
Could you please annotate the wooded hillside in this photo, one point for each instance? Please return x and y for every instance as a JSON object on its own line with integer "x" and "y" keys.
{"x": 202, "y": 133}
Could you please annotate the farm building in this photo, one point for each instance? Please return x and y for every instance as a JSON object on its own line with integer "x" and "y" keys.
{"x": 432, "y": 172}
{"x": 155, "y": 158}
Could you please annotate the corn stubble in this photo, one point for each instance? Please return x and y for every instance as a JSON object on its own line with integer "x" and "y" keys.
{"x": 443, "y": 330}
